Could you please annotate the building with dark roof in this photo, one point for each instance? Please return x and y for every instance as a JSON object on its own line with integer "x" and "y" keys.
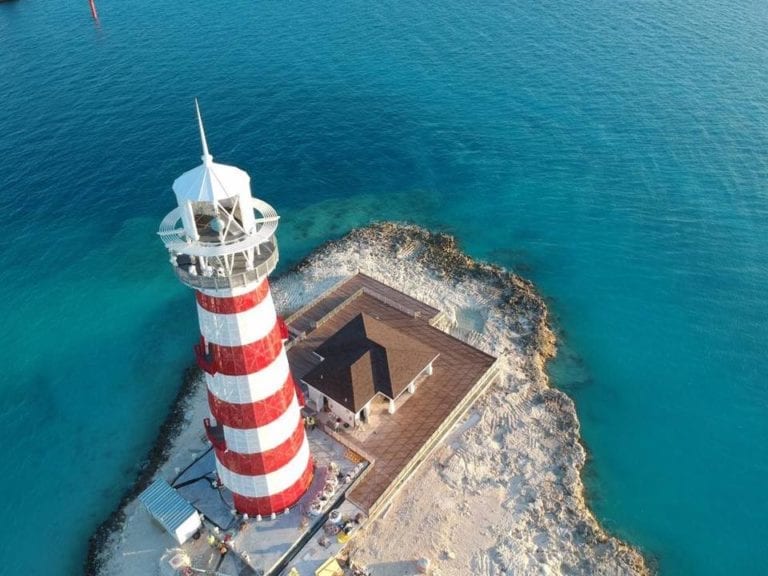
{"x": 364, "y": 358}
{"x": 375, "y": 327}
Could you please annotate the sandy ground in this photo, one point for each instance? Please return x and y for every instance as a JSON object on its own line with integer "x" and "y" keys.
{"x": 503, "y": 494}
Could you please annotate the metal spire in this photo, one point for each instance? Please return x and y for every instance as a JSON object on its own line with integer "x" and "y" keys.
{"x": 207, "y": 158}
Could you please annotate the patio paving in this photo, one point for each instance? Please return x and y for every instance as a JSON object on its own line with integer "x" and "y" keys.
{"x": 396, "y": 442}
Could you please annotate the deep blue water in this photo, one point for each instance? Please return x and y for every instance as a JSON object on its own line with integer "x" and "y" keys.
{"x": 616, "y": 153}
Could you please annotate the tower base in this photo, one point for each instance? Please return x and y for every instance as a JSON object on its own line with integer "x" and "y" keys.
{"x": 276, "y": 503}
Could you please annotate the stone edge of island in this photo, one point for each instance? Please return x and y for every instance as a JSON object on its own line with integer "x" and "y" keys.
{"x": 440, "y": 256}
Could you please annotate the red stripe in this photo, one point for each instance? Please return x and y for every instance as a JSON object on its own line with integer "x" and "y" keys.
{"x": 276, "y": 503}
{"x": 263, "y": 462}
{"x": 233, "y": 304}
{"x": 248, "y": 358}
{"x": 253, "y": 414}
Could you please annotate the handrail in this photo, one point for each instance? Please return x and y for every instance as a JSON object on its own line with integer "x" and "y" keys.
{"x": 234, "y": 281}
{"x": 356, "y": 294}
{"x": 317, "y": 323}
{"x": 392, "y": 303}
{"x": 175, "y": 238}
{"x": 429, "y": 445}
{"x": 314, "y": 324}
{"x": 298, "y": 312}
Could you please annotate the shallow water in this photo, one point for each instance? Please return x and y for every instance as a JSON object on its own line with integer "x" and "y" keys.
{"x": 613, "y": 153}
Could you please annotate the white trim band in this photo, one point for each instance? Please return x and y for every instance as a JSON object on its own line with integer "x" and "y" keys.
{"x": 252, "y": 387}
{"x": 240, "y": 328}
{"x": 232, "y": 292}
{"x": 263, "y": 438}
{"x": 267, "y": 484}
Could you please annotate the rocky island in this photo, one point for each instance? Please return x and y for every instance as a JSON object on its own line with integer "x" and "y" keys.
{"x": 501, "y": 494}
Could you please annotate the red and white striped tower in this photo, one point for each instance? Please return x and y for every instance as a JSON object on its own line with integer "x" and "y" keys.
{"x": 222, "y": 243}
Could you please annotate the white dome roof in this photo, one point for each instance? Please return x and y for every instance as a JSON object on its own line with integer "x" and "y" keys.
{"x": 211, "y": 182}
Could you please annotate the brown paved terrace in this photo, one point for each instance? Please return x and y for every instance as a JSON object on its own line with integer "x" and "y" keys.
{"x": 304, "y": 319}
{"x": 399, "y": 437}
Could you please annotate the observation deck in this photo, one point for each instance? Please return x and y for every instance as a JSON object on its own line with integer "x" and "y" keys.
{"x": 224, "y": 258}
{"x": 193, "y": 275}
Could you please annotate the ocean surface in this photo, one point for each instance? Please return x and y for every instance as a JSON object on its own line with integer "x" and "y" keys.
{"x": 616, "y": 153}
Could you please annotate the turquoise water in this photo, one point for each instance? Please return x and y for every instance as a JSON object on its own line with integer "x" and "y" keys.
{"x": 615, "y": 153}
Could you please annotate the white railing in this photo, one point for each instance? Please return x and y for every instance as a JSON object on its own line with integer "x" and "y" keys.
{"x": 320, "y": 321}
{"x": 230, "y": 281}
{"x": 392, "y": 303}
{"x": 175, "y": 238}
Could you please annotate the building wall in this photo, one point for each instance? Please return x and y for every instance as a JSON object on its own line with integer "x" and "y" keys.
{"x": 187, "y": 528}
{"x": 316, "y": 397}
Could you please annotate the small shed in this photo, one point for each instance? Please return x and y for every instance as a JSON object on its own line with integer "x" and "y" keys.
{"x": 170, "y": 510}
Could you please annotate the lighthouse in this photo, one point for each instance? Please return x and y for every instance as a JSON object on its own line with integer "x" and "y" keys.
{"x": 222, "y": 244}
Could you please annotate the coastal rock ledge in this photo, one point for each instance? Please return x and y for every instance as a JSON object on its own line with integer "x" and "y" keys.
{"x": 503, "y": 493}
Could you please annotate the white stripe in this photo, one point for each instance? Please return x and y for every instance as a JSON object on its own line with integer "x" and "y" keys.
{"x": 254, "y": 440}
{"x": 241, "y": 328}
{"x": 267, "y": 484}
{"x": 251, "y": 387}
{"x": 233, "y": 292}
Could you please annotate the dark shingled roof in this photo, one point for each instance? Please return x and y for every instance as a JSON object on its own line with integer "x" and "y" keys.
{"x": 364, "y": 357}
